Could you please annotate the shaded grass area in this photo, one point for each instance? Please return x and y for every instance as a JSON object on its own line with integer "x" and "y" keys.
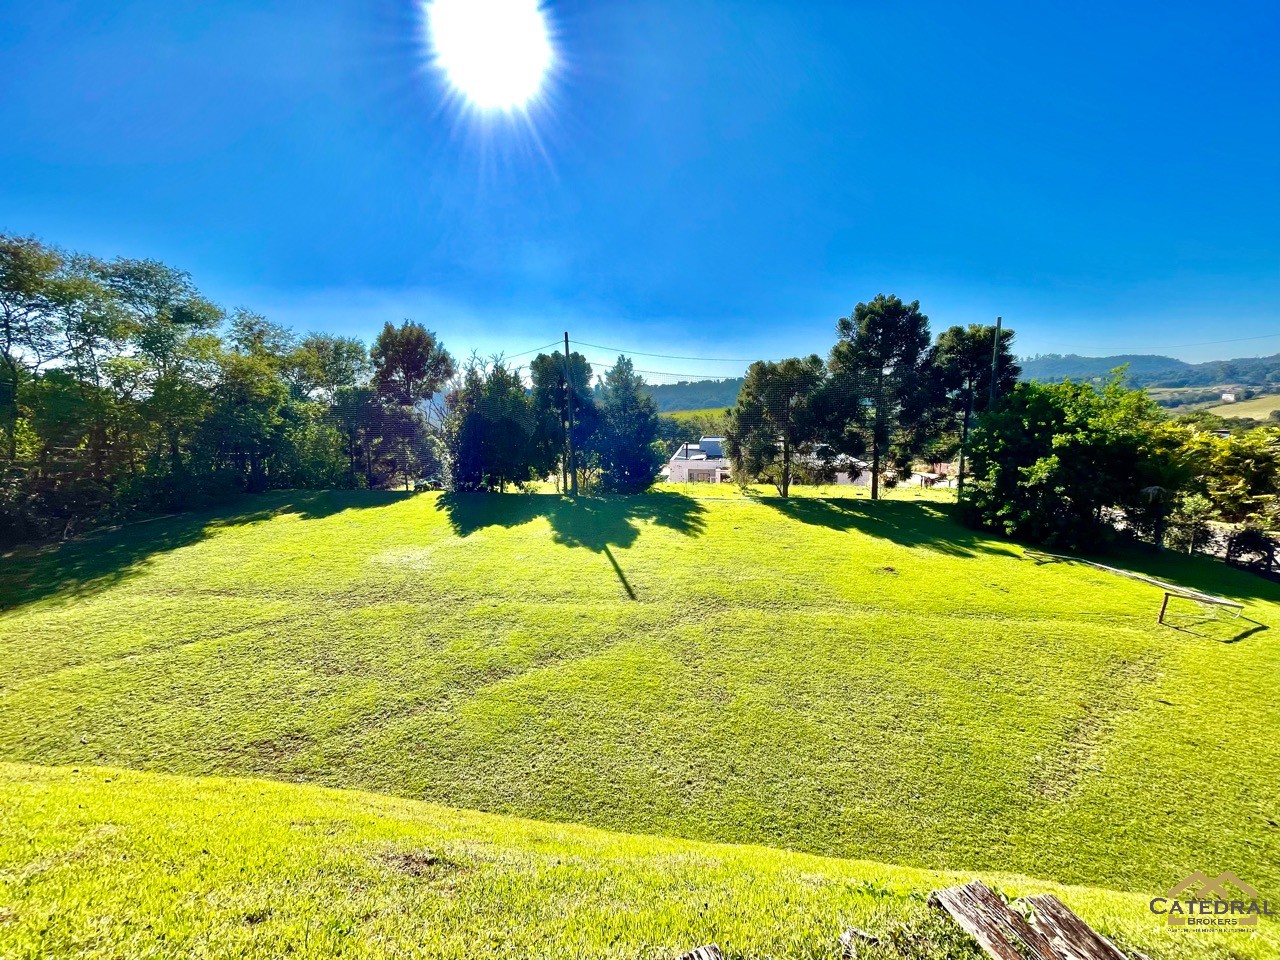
{"x": 827, "y": 674}
{"x": 102, "y": 863}
{"x": 104, "y": 557}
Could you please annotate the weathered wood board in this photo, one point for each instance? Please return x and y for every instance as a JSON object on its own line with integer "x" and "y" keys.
{"x": 999, "y": 930}
{"x": 710, "y": 952}
{"x": 1072, "y": 938}
{"x": 1053, "y": 933}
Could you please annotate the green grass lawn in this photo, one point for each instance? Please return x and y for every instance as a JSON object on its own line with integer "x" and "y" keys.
{"x": 830, "y": 675}
{"x": 1258, "y": 408}
{"x": 695, "y": 414}
{"x": 98, "y": 863}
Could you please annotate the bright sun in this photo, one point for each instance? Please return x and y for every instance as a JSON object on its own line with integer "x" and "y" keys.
{"x": 496, "y": 53}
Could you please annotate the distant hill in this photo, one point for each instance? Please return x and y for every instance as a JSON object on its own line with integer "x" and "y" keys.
{"x": 695, "y": 394}
{"x": 1151, "y": 370}
{"x": 1145, "y": 370}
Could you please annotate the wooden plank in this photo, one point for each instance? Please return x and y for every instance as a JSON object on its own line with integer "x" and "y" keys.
{"x": 1072, "y": 938}
{"x": 850, "y": 939}
{"x": 999, "y": 931}
{"x": 709, "y": 952}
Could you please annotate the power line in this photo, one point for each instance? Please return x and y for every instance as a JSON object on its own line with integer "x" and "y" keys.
{"x": 516, "y": 356}
{"x": 669, "y": 356}
{"x": 601, "y": 368}
{"x": 1209, "y": 343}
{"x": 689, "y": 376}
{"x": 722, "y": 376}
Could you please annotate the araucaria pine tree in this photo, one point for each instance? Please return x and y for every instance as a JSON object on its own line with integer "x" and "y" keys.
{"x": 883, "y": 386}
{"x": 627, "y": 439}
{"x": 774, "y": 431}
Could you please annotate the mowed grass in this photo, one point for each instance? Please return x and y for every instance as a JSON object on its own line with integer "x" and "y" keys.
{"x": 1257, "y": 408}
{"x": 829, "y": 675}
{"x": 99, "y": 863}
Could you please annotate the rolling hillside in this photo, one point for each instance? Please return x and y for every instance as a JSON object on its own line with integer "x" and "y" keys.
{"x": 1256, "y": 408}
{"x": 180, "y": 870}
{"x": 829, "y": 675}
{"x": 1149, "y": 370}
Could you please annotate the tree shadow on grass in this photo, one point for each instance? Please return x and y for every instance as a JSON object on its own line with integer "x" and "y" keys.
{"x": 929, "y": 526}
{"x": 597, "y": 524}
{"x": 100, "y": 559}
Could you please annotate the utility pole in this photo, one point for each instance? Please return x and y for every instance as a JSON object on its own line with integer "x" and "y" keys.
{"x": 568, "y": 383}
{"x": 964, "y": 442}
{"x": 995, "y": 362}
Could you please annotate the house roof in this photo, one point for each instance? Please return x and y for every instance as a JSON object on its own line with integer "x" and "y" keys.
{"x": 708, "y": 448}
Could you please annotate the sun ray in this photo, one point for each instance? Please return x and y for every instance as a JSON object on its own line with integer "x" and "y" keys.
{"x": 494, "y": 53}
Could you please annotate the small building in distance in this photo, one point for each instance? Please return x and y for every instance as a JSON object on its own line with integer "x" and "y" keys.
{"x": 706, "y": 462}
{"x": 701, "y": 462}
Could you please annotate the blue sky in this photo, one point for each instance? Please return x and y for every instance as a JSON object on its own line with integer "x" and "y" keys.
{"x": 713, "y": 179}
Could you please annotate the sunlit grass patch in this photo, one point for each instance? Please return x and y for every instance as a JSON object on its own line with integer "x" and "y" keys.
{"x": 827, "y": 674}
{"x": 98, "y": 863}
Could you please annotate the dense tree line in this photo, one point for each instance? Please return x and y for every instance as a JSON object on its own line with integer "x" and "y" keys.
{"x": 694, "y": 394}
{"x": 1076, "y": 466}
{"x": 500, "y": 433}
{"x": 1073, "y": 465}
{"x": 124, "y": 390}
{"x": 886, "y": 396}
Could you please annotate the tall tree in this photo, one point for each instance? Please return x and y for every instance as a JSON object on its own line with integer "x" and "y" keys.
{"x": 776, "y": 428}
{"x": 551, "y": 395}
{"x": 243, "y": 428}
{"x": 323, "y": 364}
{"x": 53, "y": 310}
{"x": 409, "y": 363}
{"x": 489, "y": 428}
{"x": 627, "y": 443}
{"x": 963, "y": 357}
{"x": 253, "y": 334}
{"x": 883, "y": 392}
{"x": 173, "y": 330}
{"x": 30, "y": 335}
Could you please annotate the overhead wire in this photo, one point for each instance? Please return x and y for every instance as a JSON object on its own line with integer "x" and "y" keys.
{"x": 525, "y": 353}
{"x": 667, "y": 356}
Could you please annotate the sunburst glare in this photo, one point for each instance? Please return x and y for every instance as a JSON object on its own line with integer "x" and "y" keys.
{"x": 495, "y": 53}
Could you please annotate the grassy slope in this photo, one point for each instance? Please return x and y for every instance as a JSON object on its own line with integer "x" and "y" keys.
{"x": 101, "y": 863}
{"x": 834, "y": 676}
{"x": 695, "y": 414}
{"x": 1259, "y": 408}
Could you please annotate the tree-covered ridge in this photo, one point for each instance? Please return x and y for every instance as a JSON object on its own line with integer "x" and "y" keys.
{"x": 1142, "y": 370}
{"x": 695, "y": 394}
{"x": 1147, "y": 370}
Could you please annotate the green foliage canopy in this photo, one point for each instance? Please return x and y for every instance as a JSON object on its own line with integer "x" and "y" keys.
{"x": 775, "y": 432}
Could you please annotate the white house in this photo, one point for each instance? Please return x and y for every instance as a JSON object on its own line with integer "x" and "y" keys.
{"x": 701, "y": 462}
{"x": 705, "y": 462}
{"x": 853, "y": 472}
